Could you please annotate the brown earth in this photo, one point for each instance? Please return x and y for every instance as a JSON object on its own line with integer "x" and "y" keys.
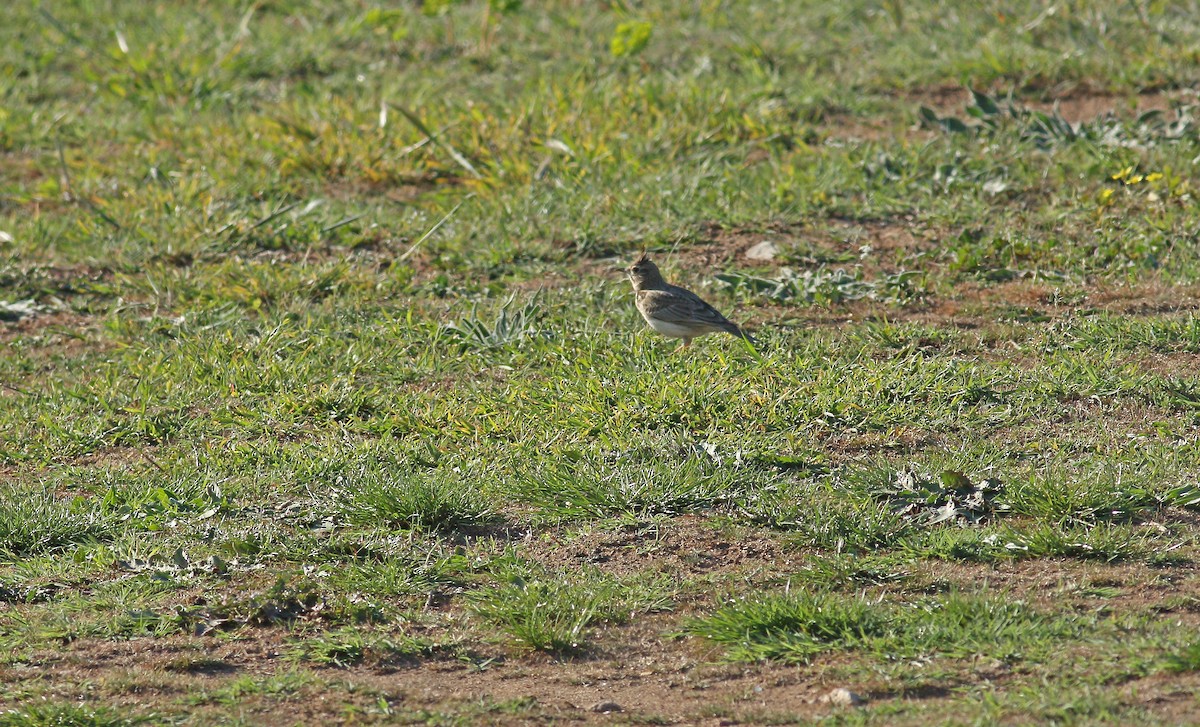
{"x": 650, "y": 672}
{"x": 1076, "y": 104}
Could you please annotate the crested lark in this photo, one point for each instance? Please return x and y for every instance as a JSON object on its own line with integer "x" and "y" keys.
{"x": 674, "y": 311}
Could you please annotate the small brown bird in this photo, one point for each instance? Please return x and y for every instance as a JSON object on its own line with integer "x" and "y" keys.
{"x": 674, "y": 311}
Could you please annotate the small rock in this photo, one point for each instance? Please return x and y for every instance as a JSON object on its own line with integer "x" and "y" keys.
{"x": 843, "y": 697}
{"x": 19, "y": 309}
{"x": 765, "y": 250}
{"x": 606, "y": 707}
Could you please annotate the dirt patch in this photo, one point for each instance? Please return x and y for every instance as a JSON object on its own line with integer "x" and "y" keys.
{"x": 938, "y": 97}
{"x": 1172, "y": 365}
{"x": 843, "y": 448}
{"x": 62, "y": 330}
{"x": 1149, "y": 298}
{"x": 644, "y": 675}
{"x": 1170, "y": 697}
{"x": 639, "y": 684}
{"x": 402, "y": 191}
{"x": 685, "y": 547}
{"x": 1076, "y": 104}
{"x": 1025, "y": 300}
{"x": 873, "y": 245}
{"x": 645, "y": 667}
{"x": 49, "y": 323}
{"x": 842, "y": 130}
{"x": 1088, "y": 106}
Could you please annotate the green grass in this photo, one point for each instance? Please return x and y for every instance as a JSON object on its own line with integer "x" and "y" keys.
{"x": 440, "y": 502}
{"x": 34, "y": 520}
{"x": 552, "y": 612}
{"x": 67, "y": 716}
{"x": 1187, "y": 659}
{"x": 314, "y": 352}
{"x": 666, "y": 476}
{"x": 797, "y": 627}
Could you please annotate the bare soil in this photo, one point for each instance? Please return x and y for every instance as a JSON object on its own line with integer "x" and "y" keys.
{"x": 643, "y": 668}
{"x": 1078, "y": 103}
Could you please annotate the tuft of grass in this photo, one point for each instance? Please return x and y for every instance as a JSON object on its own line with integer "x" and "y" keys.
{"x": 150, "y": 507}
{"x": 1078, "y": 498}
{"x": 1106, "y": 542}
{"x": 791, "y": 627}
{"x": 549, "y": 613}
{"x": 351, "y": 646}
{"x": 950, "y": 497}
{"x": 1185, "y": 659}
{"x": 970, "y": 545}
{"x": 200, "y": 665}
{"x": 35, "y": 520}
{"x": 795, "y": 627}
{"x": 543, "y": 616}
{"x": 279, "y": 686}
{"x": 965, "y": 625}
{"x": 406, "y": 573}
{"x": 826, "y": 518}
{"x": 640, "y": 485}
{"x": 68, "y": 715}
{"x": 435, "y": 501}
{"x": 845, "y": 571}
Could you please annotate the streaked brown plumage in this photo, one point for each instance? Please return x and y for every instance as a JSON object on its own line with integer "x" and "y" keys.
{"x": 674, "y": 311}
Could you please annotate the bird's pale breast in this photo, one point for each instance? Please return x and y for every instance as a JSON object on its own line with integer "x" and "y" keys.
{"x": 672, "y": 330}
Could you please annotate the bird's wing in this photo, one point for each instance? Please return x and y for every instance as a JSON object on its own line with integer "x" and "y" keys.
{"x": 682, "y": 306}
